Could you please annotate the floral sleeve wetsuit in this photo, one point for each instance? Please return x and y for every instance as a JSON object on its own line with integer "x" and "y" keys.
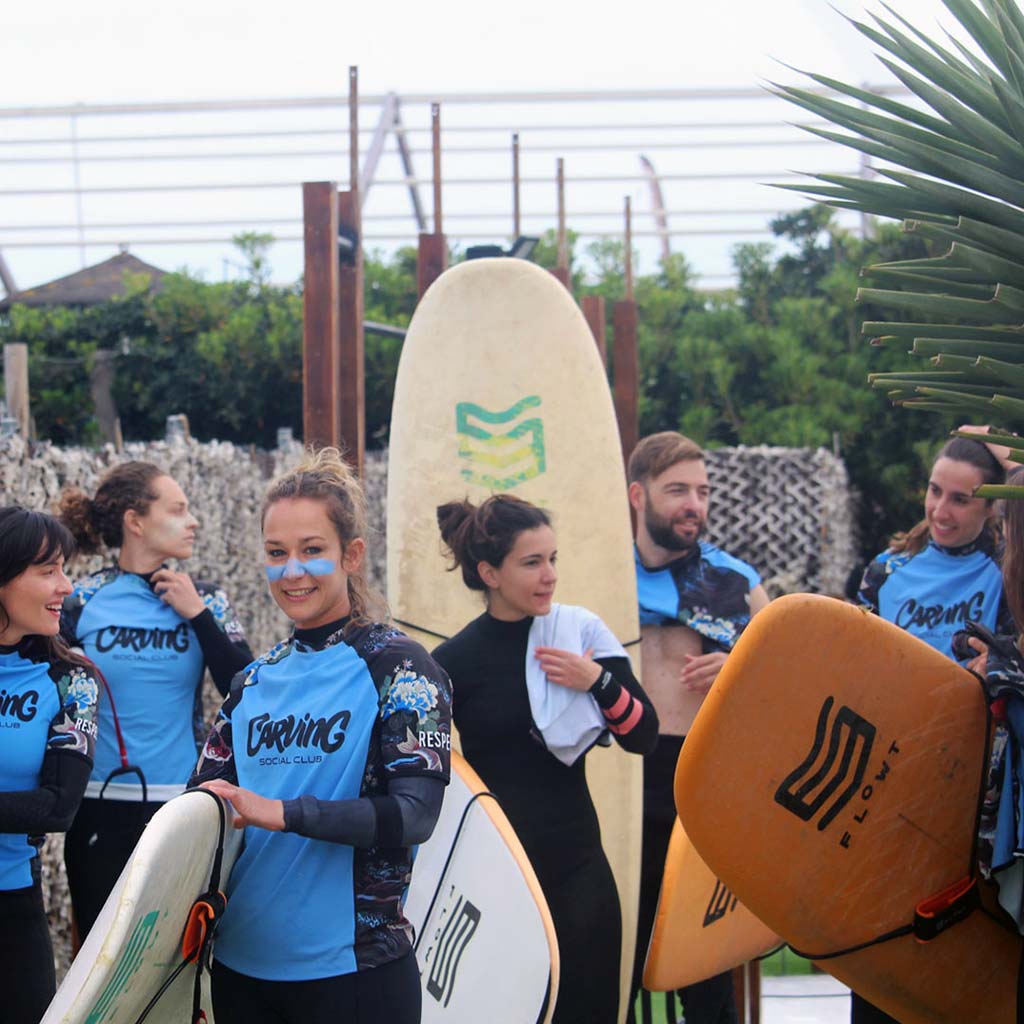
{"x": 47, "y": 738}
{"x": 351, "y": 729}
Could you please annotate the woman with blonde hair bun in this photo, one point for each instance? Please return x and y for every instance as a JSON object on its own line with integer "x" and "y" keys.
{"x": 333, "y": 750}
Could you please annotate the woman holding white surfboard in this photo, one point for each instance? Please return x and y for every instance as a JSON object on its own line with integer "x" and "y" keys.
{"x": 153, "y": 632}
{"x": 47, "y": 734}
{"x": 333, "y": 750}
{"x": 536, "y": 684}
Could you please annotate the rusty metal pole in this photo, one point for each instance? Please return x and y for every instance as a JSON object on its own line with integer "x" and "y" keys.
{"x": 320, "y": 357}
{"x": 624, "y": 359}
{"x": 561, "y": 270}
{"x": 351, "y": 370}
{"x": 516, "y": 210}
{"x": 432, "y": 256}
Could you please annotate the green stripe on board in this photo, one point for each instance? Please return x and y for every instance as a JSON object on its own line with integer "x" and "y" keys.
{"x": 129, "y": 963}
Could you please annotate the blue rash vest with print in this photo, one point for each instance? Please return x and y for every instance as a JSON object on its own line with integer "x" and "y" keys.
{"x": 933, "y": 593}
{"x": 334, "y": 722}
{"x": 154, "y": 665}
{"x": 43, "y": 708}
{"x": 705, "y": 589}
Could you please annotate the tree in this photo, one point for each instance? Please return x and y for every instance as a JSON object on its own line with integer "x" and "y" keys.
{"x": 954, "y": 177}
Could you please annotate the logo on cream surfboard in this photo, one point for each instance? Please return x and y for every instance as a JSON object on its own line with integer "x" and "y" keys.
{"x": 502, "y": 449}
{"x": 457, "y": 922}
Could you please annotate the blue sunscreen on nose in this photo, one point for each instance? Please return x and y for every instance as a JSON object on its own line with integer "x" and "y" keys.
{"x": 296, "y": 567}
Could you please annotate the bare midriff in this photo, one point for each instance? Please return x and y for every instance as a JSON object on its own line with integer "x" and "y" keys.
{"x": 662, "y": 655}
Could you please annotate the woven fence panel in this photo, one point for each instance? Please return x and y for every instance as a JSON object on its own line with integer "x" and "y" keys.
{"x": 786, "y": 511}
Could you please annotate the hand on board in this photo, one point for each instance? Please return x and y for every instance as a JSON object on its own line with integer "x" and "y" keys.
{"x": 178, "y": 590}
{"x": 978, "y": 665}
{"x": 250, "y": 808}
{"x": 701, "y": 670}
{"x": 574, "y": 671}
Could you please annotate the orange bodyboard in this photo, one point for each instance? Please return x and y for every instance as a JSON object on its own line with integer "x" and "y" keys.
{"x": 832, "y": 781}
{"x": 700, "y": 928}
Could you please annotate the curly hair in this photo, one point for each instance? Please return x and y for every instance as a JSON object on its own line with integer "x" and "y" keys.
{"x": 100, "y": 520}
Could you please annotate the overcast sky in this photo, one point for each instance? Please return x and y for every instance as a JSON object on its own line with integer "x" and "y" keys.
{"x": 114, "y": 50}
{"x": 61, "y": 52}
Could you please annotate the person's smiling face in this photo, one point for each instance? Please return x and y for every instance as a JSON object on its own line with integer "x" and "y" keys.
{"x": 955, "y": 517}
{"x": 307, "y": 566}
{"x": 32, "y": 600}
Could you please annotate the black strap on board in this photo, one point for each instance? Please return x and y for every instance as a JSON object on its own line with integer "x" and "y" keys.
{"x": 201, "y": 927}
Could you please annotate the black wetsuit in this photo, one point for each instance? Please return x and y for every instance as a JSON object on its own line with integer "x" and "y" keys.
{"x": 548, "y": 802}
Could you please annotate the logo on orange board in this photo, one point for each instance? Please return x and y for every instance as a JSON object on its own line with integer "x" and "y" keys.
{"x": 833, "y": 771}
{"x": 722, "y": 901}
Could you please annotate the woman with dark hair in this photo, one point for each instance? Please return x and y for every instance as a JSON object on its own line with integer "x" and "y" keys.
{"x": 333, "y": 750}
{"x": 536, "y": 685}
{"x": 942, "y": 574}
{"x": 153, "y": 632}
{"x": 945, "y": 571}
{"x": 47, "y": 734}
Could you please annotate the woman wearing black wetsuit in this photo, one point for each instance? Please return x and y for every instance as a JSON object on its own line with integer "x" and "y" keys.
{"x": 47, "y": 734}
{"x": 506, "y": 549}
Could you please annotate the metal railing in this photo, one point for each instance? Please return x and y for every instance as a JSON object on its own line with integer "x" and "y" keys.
{"x": 176, "y": 181}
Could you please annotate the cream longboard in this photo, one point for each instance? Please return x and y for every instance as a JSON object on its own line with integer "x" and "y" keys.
{"x": 700, "y": 928}
{"x": 500, "y": 389}
{"x": 472, "y": 890}
{"x": 135, "y": 943}
{"x": 832, "y": 780}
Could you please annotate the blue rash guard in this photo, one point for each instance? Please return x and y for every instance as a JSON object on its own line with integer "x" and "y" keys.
{"x": 705, "y": 589}
{"x": 153, "y": 662}
{"x": 47, "y": 711}
{"x": 933, "y": 593}
{"x": 335, "y": 721}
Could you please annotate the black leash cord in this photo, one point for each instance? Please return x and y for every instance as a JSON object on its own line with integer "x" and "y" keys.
{"x": 206, "y": 947}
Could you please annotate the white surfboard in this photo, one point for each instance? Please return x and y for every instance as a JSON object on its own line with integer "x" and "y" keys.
{"x": 500, "y": 388}
{"x": 484, "y": 937}
{"x": 135, "y": 944}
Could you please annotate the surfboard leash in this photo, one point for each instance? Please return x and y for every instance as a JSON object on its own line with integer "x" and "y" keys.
{"x": 200, "y": 927}
{"x": 419, "y": 629}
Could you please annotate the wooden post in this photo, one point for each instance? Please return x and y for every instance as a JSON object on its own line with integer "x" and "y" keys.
{"x": 561, "y": 270}
{"x": 16, "y": 384}
{"x": 624, "y": 360}
{"x": 320, "y": 314}
{"x": 593, "y": 311}
{"x": 351, "y": 372}
{"x": 746, "y": 983}
{"x": 432, "y": 257}
{"x": 101, "y": 381}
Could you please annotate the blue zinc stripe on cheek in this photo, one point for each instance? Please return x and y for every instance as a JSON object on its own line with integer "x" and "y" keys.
{"x": 296, "y": 567}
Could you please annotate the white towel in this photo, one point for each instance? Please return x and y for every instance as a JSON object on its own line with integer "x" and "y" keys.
{"x": 569, "y": 720}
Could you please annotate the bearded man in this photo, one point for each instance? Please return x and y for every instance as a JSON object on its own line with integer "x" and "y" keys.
{"x": 695, "y": 601}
